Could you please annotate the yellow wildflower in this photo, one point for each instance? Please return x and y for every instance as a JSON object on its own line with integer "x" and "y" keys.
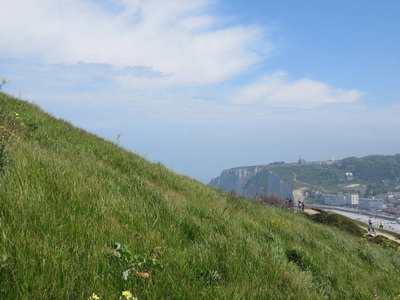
{"x": 127, "y": 296}
{"x": 94, "y": 297}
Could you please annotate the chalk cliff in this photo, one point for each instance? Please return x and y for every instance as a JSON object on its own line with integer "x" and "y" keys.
{"x": 250, "y": 181}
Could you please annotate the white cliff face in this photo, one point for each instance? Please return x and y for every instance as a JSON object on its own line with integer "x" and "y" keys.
{"x": 235, "y": 179}
{"x": 250, "y": 181}
{"x": 276, "y": 185}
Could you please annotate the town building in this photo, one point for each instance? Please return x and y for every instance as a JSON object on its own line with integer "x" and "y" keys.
{"x": 394, "y": 195}
{"x": 393, "y": 203}
{"x": 341, "y": 200}
{"x": 335, "y": 200}
{"x": 352, "y": 199}
{"x": 370, "y": 204}
{"x": 349, "y": 176}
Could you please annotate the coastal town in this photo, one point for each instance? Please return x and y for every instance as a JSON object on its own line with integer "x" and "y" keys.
{"x": 379, "y": 211}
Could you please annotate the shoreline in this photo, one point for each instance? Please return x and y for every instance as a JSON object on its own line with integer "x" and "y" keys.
{"x": 364, "y": 218}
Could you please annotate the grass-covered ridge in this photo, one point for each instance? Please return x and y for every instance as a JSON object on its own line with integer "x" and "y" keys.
{"x": 373, "y": 175}
{"x": 341, "y": 222}
{"x": 80, "y": 215}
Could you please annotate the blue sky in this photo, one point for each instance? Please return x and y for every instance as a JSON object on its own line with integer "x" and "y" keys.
{"x": 206, "y": 85}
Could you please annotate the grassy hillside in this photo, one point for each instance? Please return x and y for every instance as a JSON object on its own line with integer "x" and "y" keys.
{"x": 369, "y": 171}
{"x": 374, "y": 167}
{"x": 80, "y": 215}
{"x": 317, "y": 177}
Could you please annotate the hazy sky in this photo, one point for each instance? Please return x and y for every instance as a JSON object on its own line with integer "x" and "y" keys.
{"x": 206, "y": 85}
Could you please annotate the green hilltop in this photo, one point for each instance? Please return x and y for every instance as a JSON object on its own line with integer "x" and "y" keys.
{"x": 80, "y": 215}
{"x": 377, "y": 174}
{"x": 373, "y": 175}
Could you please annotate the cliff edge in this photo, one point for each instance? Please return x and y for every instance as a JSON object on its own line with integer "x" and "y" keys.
{"x": 251, "y": 181}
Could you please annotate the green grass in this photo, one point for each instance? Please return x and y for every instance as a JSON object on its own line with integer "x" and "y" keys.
{"x": 313, "y": 176}
{"x": 336, "y": 220}
{"x": 68, "y": 197}
{"x": 368, "y": 171}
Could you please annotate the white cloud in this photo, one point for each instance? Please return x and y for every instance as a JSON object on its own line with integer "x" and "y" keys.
{"x": 165, "y": 54}
{"x": 175, "y": 37}
{"x": 276, "y": 90}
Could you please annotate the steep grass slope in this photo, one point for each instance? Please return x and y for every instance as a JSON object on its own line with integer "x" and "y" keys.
{"x": 80, "y": 215}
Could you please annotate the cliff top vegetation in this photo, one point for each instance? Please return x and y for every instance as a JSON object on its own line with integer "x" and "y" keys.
{"x": 379, "y": 174}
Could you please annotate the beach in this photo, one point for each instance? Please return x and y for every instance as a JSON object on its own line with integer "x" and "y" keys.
{"x": 387, "y": 224}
